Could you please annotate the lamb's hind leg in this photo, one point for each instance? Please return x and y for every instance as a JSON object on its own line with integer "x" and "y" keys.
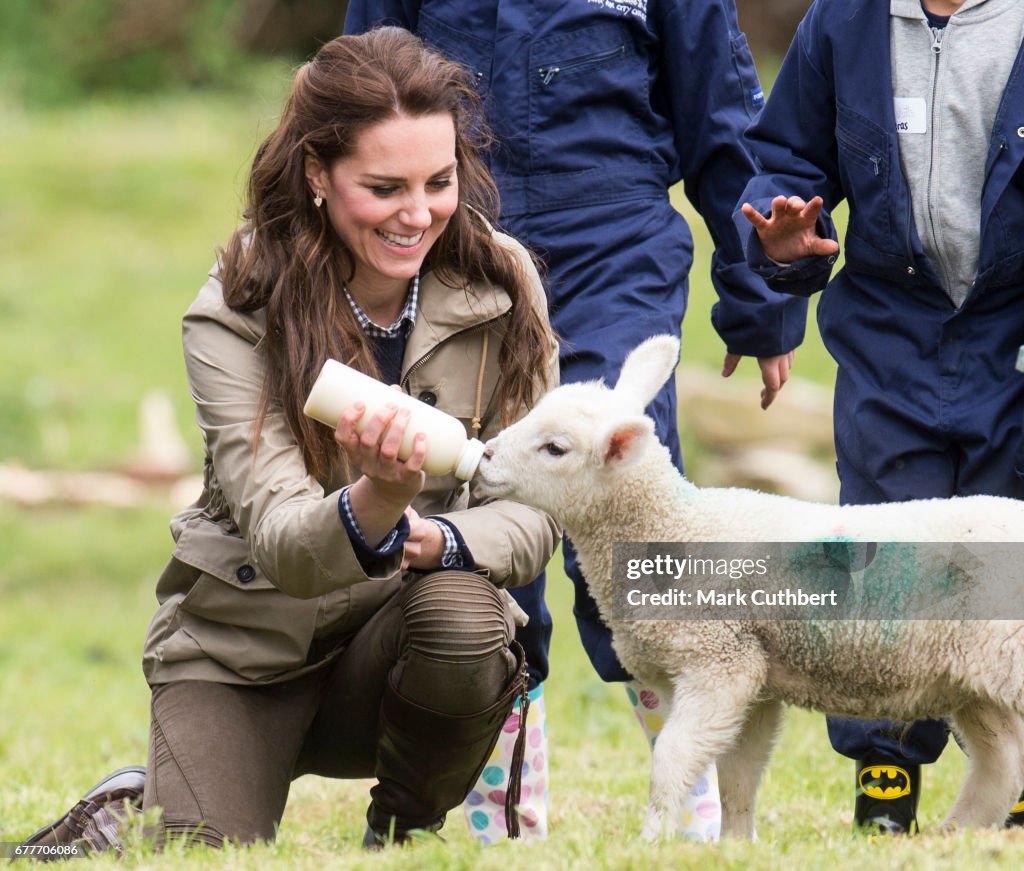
{"x": 740, "y": 768}
{"x": 993, "y": 737}
{"x": 704, "y": 720}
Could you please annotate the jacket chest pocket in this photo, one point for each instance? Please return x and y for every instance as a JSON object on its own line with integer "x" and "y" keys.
{"x": 864, "y": 171}
{"x": 588, "y": 93}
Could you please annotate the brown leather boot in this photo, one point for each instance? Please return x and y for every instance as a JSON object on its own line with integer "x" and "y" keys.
{"x": 427, "y": 762}
{"x": 94, "y": 823}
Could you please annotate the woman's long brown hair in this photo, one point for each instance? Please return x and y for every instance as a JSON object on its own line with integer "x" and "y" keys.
{"x": 287, "y": 259}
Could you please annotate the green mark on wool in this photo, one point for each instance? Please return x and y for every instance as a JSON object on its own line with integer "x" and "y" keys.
{"x": 885, "y": 582}
{"x": 825, "y": 565}
{"x": 917, "y": 580}
{"x": 822, "y": 566}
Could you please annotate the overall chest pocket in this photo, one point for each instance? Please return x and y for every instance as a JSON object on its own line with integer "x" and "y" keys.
{"x": 458, "y": 45}
{"x": 864, "y": 170}
{"x": 588, "y": 92}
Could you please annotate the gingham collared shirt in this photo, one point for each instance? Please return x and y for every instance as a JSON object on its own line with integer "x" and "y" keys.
{"x": 406, "y": 319}
{"x": 453, "y": 555}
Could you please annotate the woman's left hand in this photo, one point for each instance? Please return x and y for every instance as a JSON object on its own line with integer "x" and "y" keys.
{"x": 375, "y": 451}
{"x": 387, "y": 485}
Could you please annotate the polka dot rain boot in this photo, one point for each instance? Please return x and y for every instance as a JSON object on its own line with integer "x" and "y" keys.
{"x": 702, "y": 814}
{"x": 484, "y": 807}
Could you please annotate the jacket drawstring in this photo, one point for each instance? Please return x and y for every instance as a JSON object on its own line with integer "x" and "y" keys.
{"x": 480, "y": 385}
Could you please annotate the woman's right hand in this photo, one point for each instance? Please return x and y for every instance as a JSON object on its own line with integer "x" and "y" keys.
{"x": 387, "y": 485}
{"x": 789, "y": 233}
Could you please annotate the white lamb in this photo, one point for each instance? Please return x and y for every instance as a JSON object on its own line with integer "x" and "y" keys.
{"x": 587, "y": 455}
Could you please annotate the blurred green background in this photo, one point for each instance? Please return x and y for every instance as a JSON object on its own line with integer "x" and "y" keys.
{"x": 126, "y": 131}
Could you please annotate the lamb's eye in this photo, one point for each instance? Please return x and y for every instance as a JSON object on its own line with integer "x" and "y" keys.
{"x": 554, "y": 450}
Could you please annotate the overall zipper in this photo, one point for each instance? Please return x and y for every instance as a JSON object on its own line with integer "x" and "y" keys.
{"x": 549, "y": 72}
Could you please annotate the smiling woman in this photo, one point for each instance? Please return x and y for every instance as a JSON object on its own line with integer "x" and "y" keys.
{"x": 389, "y": 201}
{"x": 330, "y": 608}
{"x": 369, "y": 153}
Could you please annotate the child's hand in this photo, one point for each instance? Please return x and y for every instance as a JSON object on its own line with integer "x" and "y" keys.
{"x": 774, "y": 373}
{"x": 789, "y": 233}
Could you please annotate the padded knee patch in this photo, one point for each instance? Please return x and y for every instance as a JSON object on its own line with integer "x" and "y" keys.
{"x": 457, "y": 617}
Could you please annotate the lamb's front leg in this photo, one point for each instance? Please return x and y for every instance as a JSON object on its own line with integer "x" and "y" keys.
{"x": 741, "y": 766}
{"x": 706, "y": 713}
{"x": 993, "y": 737}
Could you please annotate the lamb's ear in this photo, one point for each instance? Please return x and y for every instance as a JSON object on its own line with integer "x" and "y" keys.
{"x": 623, "y": 441}
{"x": 648, "y": 366}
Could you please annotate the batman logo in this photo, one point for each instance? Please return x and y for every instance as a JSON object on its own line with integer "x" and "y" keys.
{"x": 884, "y": 782}
{"x": 1017, "y": 808}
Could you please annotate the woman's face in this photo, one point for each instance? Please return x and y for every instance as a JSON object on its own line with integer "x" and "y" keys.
{"x": 391, "y": 199}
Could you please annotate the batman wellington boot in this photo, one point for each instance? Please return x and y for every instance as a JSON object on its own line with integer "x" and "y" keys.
{"x": 887, "y": 796}
{"x": 1016, "y": 817}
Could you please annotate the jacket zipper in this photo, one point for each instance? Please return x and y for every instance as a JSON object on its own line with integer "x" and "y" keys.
{"x": 422, "y": 360}
{"x": 549, "y": 72}
{"x": 995, "y": 159}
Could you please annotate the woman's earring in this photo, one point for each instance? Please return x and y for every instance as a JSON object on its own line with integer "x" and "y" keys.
{"x": 318, "y": 200}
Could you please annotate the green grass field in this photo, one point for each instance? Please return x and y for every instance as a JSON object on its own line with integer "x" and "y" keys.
{"x": 108, "y": 219}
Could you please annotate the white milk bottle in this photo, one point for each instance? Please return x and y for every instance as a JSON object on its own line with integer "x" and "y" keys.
{"x": 448, "y": 448}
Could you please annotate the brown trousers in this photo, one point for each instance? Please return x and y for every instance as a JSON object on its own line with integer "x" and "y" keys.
{"x": 221, "y": 757}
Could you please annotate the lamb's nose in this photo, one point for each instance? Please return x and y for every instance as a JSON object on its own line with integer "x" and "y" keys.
{"x": 488, "y": 454}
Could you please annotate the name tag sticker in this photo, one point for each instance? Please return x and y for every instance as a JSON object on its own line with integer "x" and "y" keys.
{"x": 911, "y": 114}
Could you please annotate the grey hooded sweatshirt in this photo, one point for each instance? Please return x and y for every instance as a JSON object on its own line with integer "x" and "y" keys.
{"x": 947, "y": 86}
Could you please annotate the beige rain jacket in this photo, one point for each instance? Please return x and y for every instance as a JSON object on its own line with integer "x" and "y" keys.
{"x": 263, "y": 584}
